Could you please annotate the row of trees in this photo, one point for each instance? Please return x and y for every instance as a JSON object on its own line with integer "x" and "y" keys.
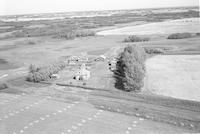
{"x": 134, "y": 38}
{"x": 37, "y": 74}
{"x": 130, "y": 68}
{"x": 74, "y": 34}
{"x": 179, "y": 36}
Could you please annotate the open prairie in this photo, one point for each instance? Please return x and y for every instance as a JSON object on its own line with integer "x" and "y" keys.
{"x": 168, "y": 103}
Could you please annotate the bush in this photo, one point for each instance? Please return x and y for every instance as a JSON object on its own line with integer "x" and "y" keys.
{"x": 197, "y": 34}
{"x": 33, "y": 68}
{"x": 179, "y": 36}
{"x": 130, "y": 69}
{"x": 84, "y": 84}
{"x": 37, "y": 74}
{"x": 154, "y": 50}
{"x": 3, "y": 86}
{"x": 134, "y": 38}
{"x": 30, "y": 42}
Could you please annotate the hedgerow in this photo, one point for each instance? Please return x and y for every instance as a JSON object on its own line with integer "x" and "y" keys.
{"x": 3, "y": 85}
{"x": 179, "y": 36}
{"x": 37, "y": 74}
{"x": 73, "y": 34}
{"x": 197, "y": 34}
{"x": 134, "y": 38}
{"x": 154, "y": 50}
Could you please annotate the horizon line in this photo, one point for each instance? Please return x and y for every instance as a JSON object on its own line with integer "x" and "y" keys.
{"x": 195, "y": 6}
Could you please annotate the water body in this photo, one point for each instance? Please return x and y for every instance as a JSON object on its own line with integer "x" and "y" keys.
{"x": 191, "y": 25}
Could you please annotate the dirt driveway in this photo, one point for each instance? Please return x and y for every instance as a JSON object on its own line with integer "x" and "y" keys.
{"x": 174, "y": 75}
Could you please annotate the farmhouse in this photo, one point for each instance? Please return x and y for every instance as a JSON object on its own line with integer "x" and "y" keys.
{"x": 83, "y": 73}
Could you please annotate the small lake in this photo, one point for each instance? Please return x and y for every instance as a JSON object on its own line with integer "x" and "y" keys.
{"x": 191, "y": 25}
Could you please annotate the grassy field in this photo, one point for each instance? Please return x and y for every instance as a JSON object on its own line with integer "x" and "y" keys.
{"x": 180, "y": 78}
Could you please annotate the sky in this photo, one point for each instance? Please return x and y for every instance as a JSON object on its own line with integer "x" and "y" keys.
{"x": 11, "y": 7}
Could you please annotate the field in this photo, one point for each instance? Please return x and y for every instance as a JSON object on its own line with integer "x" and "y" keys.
{"x": 183, "y": 68}
{"x": 167, "y": 27}
{"x": 169, "y": 101}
